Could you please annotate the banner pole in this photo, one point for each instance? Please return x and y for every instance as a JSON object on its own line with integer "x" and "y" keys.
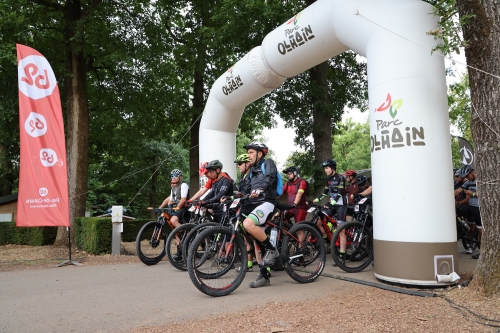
{"x": 69, "y": 261}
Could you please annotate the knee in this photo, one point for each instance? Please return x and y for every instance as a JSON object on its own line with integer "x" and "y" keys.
{"x": 248, "y": 224}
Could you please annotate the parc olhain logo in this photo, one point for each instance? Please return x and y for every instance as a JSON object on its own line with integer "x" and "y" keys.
{"x": 295, "y": 35}
{"x": 232, "y": 82}
{"x": 394, "y": 133}
{"x": 392, "y": 106}
{"x": 294, "y": 19}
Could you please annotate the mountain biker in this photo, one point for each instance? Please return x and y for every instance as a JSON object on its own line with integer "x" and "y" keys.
{"x": 260, "y": 206}
{"x": 461, "y": 198}
{"x": 335, "y": 188}
{"x": 472, "y": 209}
{"x": 178, "y": 196}
{"x": 220, "y": 184}
{"x": 295, "y": 187}
{"x": 358, "y": 184}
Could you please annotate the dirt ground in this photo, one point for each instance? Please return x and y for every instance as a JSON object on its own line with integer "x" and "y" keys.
{"x": 361, "y": 309}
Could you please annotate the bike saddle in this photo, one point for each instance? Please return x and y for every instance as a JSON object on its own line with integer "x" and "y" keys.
{"x": 284, "y": 207}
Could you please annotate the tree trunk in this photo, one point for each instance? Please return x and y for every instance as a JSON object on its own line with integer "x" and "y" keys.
{"x": 321, "y": 130}
{"x": 483, "y": 52}
{"x": 194, "y": 153}
{"x": 77, "y": 139}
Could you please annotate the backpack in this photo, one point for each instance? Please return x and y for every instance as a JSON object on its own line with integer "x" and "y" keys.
{"x": 279, "y": 180}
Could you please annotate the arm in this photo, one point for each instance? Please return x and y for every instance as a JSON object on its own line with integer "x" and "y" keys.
{"x": 366, "y": 192}
{"x": 323, "y": 195}
{"x": 226, "y": 189}
{"x": 167, "y": 201}
{"x": 469, "y": 194}
{"x": 270, "y": 176}
{"x": 199, "y": 193}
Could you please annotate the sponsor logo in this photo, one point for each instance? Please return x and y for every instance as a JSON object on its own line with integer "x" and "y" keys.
{"x": 36, "y": 78}
{"x": 48, "y": 157}
{"x": 43, "y": 191}
{"x": 391, "y": 135}
{"x": 467, "y": 156}
{"x": 35, "y": 125}
{"x": 232, "y": 82}
{"x": 296, "y": 35}
{"x": 260, "y": 213}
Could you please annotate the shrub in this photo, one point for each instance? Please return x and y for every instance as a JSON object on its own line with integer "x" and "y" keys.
{"x": 36, "y": 236}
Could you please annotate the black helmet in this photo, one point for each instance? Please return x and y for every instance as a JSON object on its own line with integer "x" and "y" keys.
{"x": 361, "y": 180}
{"x": 329, "y": 163}
{"x": 457, "y": 172}
{"x": 213, "y": 165}
{"x": 291, "y": 169}
{"x": 259, "y": 146}
{"x": 465, "y": 170}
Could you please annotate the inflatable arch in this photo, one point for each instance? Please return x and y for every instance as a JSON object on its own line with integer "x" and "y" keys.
{"x": 414, "y": 228}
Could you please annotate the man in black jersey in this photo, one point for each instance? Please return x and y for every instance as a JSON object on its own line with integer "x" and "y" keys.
{"x": 335, "y": 189}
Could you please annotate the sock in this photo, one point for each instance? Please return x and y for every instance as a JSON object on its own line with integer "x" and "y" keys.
{"x": 250, "y": 263}
{"x": 267, "y": 244}
{"x": 265, "y": 273}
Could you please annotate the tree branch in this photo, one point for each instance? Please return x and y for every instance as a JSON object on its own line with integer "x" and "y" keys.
{"x": 49, "y": 4}
{"x": 174, "y": 37}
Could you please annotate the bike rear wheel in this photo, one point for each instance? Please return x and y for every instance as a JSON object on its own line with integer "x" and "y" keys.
{"x": 359, "y": 247}
{"x": 304, "y": 253}
{"x": 214, "y": 274}
{"x": 191, "y": 236}
{"x": 150, "y": 243}
{"x": 173, "y": 249}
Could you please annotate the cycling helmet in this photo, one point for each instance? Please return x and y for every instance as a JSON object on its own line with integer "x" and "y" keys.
{"x": 259, "y": 146}
{"x": 213, "y": 165}
{"x": 291, "y": 169}
{"x": 329, "y": 163}
{"x": 465, "y": 170}
{"x": 361, "y": 180}
{"x": 175, "y": 173}
{"x": 350, "y": 173}
{"x": 457, "y": 173}
{"x": 203, "y": 169}
{"x": 243, "y": 158}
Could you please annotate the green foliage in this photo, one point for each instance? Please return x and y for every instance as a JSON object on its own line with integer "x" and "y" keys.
{"x": 35, "y": 236}
{"x": 459, "y": 105}
{"x": 351, "y": 146}
{"x": 93, "y": 235}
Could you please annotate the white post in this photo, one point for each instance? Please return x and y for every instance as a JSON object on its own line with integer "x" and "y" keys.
{"x": 117, "y": 220}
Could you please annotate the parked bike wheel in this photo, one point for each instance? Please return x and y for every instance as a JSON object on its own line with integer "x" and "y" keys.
{"x": 359, "y": 247}
{"x": 214, "y": 274}
{"x": 150, "y": 243}
{"x": 303, "y": 253}
{"x": 195, "y": 231}
{"x": 173, "y": 246}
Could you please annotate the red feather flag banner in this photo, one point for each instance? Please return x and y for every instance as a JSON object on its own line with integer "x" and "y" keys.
{"x": 43, "y": 175}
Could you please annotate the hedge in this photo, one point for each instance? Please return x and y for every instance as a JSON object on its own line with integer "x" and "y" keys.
{"x": 35, "y": 236}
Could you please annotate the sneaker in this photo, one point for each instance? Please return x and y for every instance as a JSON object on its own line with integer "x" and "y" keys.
{"x": 469, "y": 250}
{"x": 269, "y": 258}
{"x": 342, "y": 260}
{"x": 178, "y": 256}
{"x": 260, "y": 282}
{"x": 249, "y": 269}
{"x": 476, "y": 256}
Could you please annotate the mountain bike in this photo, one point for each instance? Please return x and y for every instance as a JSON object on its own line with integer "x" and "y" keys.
{"x": 225, "y": 249}
{"x": 468, "y": 236}
{"x": 329, "y": 223}
{"x": 359, "y": 240}
{"x": 151, "y": 238}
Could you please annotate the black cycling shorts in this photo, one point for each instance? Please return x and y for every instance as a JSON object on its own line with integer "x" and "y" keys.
{"x": 339, "y": 210}
{"x": 468, "y": 210}
{"x": 183, "y": 214}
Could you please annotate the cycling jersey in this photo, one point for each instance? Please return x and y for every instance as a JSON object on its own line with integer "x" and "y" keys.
{"x": 219, "y": 188}
{"x": 471, "y": 186}
{"x": 245, "y": 186}
{"x": 265, "y": 182}
{"x": 335, "y": 188}
{"x": 292, "y": 188}
{"x": 179, "y": 192}
{"x": 354, "y": 188}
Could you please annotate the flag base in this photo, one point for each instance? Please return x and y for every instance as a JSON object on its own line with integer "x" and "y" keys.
{"x": 69, "y": 261}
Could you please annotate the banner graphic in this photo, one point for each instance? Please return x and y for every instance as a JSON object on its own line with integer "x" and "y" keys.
{"x": 466, "y": 151}
{"x": 43, "y": 177}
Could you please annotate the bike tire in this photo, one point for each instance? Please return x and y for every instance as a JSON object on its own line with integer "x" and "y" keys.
{"x": 150, "y": 243}
{"x": 304, "y": 260}
{"x": 171, "y": 248}
{"x": 191, "y": 236}
{"x": 216, "y": 276}
{"x": 359, "y": 247}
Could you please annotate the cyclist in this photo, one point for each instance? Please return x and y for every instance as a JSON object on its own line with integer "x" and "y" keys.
{"x": 358, "y": 184}
{"x": 335, "y": 188}
{"x": 461, "y": 198}
{"x": 220, "y": 184}
{"x": 178, "y": 196}
{"x": 295, "y": 187}
{"x": 472, "y": 209}
{"x": 260, "y": 207}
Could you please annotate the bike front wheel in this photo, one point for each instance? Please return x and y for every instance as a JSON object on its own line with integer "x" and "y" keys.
{"x": 150, "y": 243}
{"x": 173, "y": 246}
{"x": 218, "y": 272}
{"x": 191, "y": 236}
{"x": 359, "y": 247}
{"x": 304, "y": 254}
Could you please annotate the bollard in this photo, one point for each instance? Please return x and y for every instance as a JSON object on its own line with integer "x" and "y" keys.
{"x": 116, "y": 219}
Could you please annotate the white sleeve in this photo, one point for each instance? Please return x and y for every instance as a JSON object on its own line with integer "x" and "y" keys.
{"x": 184, "y": 190}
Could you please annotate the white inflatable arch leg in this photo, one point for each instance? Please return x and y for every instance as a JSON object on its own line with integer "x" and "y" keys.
{"x": 414, "y": 228}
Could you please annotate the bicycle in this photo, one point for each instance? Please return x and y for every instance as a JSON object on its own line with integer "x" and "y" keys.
{"x": 468, "y": 236}
{"x": 329, "y": 223}
{"x": 151, "y": 238}
{"x": 359, "y": 239}
{"x": 213, "y": 274}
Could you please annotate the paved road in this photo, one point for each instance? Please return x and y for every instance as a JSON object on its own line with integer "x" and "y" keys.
{"x": 116, "y": 298}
